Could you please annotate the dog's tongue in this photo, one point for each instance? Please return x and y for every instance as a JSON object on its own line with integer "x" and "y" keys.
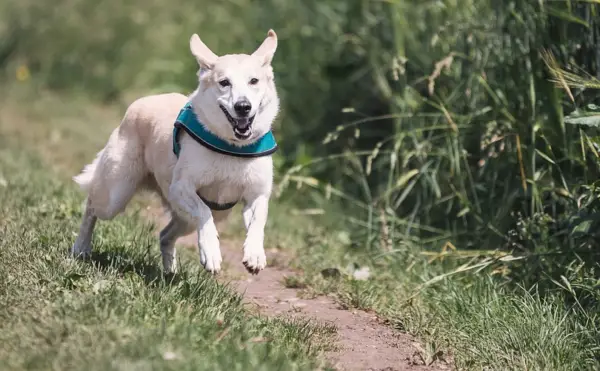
{"x": 242, "y": 124}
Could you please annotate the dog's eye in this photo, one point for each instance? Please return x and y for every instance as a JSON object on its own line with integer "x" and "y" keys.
{"x": 224, "y": 83}
{"x": 253, "y": 81}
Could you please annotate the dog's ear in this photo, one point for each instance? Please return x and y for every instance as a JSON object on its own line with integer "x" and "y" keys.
{"x": 266, "y": 50}
{"x": 205, "y": 57}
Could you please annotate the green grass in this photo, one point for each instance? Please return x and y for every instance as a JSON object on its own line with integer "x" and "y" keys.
{"x": 117, "y": 311}
{"x": 477, "y": 317}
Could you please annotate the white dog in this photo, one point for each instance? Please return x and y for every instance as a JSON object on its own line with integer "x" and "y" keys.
{"x": 202, "y": 154}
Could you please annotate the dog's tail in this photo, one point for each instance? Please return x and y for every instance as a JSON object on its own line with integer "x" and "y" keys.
{"x": 86, "y": 177}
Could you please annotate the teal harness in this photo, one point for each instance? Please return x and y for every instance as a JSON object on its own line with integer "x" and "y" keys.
{"x": 187, "y": 121}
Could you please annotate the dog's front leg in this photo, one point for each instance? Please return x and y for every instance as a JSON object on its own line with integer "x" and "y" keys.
{"x": 255, "y": 218}
{"x": 187, "y": 204}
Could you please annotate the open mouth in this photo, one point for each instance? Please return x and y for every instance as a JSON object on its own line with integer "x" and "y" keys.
{"x": 242, "y": 127}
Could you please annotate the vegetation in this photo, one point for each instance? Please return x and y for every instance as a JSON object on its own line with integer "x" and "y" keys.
{"x": 453, "y": 146}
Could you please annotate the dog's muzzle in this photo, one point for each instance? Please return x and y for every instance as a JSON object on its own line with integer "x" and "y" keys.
{"x": 242, "y": 126}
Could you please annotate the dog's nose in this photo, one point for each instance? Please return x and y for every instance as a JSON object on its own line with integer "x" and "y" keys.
{"x": 242, "y": 107}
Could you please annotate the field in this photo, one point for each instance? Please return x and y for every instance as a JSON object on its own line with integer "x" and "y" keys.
{"x": 449, "y": 149}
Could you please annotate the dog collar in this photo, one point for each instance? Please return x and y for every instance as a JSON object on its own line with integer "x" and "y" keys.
{"x": 187, "y": 121}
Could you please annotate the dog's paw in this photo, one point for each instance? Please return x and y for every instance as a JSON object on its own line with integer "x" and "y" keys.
{"x": 169, "y": 264}
{"x": 210, "y": 253}
{"x": 211, "y": 259}
{"x": 211, "y": 263}
{"x": 255, "y": 259}
{"x": 79, "y": 251}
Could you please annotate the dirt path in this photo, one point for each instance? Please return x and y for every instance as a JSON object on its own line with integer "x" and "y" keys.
{"x": 364, "y": 343}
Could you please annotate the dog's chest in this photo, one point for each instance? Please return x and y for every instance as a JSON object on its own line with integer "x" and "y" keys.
{"x": 223, "y": 179}
{"x": 229, "y": 179}
{"x": 223, "y": 190}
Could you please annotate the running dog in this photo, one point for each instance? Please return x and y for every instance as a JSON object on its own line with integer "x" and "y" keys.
{"x": 201, "y": 153}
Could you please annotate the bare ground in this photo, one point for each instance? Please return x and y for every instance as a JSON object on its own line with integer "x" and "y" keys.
{"x": 363, "y": 341}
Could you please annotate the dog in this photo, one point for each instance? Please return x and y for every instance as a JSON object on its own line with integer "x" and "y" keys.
{"x": 201, "y": 153}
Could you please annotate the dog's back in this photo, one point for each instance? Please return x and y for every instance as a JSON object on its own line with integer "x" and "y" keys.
{"x": 141, "y": 145}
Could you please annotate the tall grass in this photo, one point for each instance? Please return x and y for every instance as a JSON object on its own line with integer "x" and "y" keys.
{"x": 473, "y": 147}
{"x": 474, "y": 164}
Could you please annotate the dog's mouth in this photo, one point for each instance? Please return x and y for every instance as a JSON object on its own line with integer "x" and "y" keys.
{"x": 242, "y": 127}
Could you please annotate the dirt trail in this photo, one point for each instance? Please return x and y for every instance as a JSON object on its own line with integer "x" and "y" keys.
{"x": 363, "y": 342}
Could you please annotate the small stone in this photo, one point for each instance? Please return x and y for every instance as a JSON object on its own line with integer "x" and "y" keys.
{"x": 169, "y": 356}
{"x": 258, "y": 339}
{"x": 362, "y": 274}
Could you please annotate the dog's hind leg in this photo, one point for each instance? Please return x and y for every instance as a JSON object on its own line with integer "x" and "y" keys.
{"x": 175, "y": 229}
{"x": 110, "y": 180}
{"x": 83, "y": 244}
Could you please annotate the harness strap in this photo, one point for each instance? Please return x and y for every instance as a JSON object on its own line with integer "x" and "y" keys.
{"x": 216, "y": 206}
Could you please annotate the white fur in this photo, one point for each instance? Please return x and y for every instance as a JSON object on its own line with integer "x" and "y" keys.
{"x": 139, "y": 155}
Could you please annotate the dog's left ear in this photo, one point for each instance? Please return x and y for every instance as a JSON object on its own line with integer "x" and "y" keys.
{"x": 266, "y": 50}
{"x": 205, "y": 57}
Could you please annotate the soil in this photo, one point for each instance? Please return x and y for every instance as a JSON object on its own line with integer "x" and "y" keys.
{"x": 363, "y": 341}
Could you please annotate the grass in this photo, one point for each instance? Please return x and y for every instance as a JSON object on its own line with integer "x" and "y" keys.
{"x": 476, "y": 317}
{"x": 117, "y": 311}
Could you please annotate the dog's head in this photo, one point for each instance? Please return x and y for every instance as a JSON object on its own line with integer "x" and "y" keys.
{"x": 236, "y": 92}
